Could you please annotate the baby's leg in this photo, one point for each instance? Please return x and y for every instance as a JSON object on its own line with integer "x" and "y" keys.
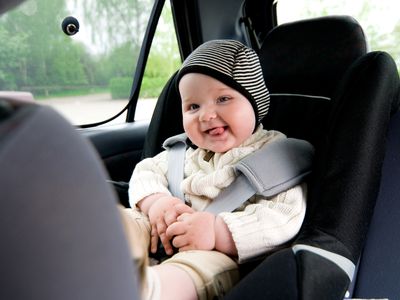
{"x": 187, "y": 275}
{"x": 211, "y": 273}
{"x": 137, "y": 231}
{"x": 173, "y": 282}
{"x": 158, "y": 282}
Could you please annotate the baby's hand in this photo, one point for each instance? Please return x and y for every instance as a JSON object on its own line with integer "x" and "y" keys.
{"x": 162, "y": 213}
{"x": 193, "y": 231}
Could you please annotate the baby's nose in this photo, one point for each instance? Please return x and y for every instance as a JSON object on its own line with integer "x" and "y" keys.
{"x": 208, "y": 114}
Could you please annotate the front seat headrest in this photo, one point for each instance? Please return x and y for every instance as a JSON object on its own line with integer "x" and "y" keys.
{"x": 310, "y": 56}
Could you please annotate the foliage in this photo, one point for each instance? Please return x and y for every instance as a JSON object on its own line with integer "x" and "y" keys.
{"x": 35, "y": 55}
{"x": 38, "y": 55}
{"x": 152, "y": 86}
{"x": 119, "y": 61}
{"x": 120, "y": 87}
{"x": 12, "y": 50}
{"x": 164, "y": 58}
{"x": 159, "y": 69}
{"x": 123, "y": 20}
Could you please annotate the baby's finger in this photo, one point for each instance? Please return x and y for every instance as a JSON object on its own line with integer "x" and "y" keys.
{"x": 180, "y": 241}
{"x": 153, "y": 239}
{"x": 174, "y": 229}
{"x": 170, "y": 217}
{"x": 167, "y": 244}
{"x": 183, "y": 208}
{"x": 183, "y": 217}
{"x": 161, "y": 226}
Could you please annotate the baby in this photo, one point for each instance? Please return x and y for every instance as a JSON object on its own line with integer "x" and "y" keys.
{"x": 224, "y": 99}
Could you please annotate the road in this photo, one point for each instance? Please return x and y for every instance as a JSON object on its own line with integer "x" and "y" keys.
{"x": 97, "y": 107}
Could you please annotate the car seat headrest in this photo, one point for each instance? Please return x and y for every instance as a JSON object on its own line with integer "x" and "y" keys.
{"x": 310, "y": 56}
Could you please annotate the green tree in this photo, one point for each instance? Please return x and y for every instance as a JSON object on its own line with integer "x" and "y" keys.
{"x": 43, "y": 54}
{"x": 64, "y": 65}
{"x": 123, "y": 24}
{"x": 12, "y": 53}
{"x": 124, "y": 21}
{"x": 39, "y": 21}
{"x": 164, "y": 57}
{"x": 120, "y": 60}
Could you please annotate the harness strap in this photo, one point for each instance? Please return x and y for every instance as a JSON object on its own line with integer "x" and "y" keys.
{"x": 176, "y": 146}
{"x": 285, "y": 163}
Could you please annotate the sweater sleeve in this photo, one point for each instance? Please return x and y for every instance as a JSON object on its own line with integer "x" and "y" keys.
{"x": 149, "y": 177}
{"x": 264, "y": 224}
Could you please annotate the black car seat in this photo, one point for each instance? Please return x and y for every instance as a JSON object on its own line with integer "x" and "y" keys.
{"x": 166, "y": 120}
{"x": 378, "y": 269}
{"x": 61, "y": 237}
{"x": 327, "y": 89}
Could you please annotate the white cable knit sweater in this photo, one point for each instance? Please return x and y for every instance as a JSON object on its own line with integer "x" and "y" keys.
{"x": 259, "y": 225}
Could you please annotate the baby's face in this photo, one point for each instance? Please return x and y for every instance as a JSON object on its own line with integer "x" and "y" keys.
{"x": 216, "y": 117}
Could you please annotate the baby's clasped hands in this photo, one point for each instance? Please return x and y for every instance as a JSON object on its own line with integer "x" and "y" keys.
{"x": 164, "y": 211}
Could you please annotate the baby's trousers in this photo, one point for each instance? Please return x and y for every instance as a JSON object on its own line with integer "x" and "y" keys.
{"x": 213, "y": 273}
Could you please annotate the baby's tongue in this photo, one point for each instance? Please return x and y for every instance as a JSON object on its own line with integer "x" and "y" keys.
{"x": 216, "y": 130}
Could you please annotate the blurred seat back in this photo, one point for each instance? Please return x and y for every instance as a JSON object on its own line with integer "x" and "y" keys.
{"x": 60, "y": 231}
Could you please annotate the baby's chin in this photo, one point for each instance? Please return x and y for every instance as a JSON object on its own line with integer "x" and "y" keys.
{"x": 216, "y": 144}
{"x": 222, "y": 148}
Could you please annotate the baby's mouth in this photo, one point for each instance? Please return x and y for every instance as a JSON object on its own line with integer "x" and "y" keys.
{"x": 216, "y": 130}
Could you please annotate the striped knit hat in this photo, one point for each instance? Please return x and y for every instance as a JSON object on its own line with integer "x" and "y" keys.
{"x": 235, "y": 65}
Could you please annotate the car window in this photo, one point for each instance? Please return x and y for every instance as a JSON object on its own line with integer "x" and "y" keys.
{"x": 164, "y": 60}
{"x": 379, "y": 19}
{"x": 86, "y": 76}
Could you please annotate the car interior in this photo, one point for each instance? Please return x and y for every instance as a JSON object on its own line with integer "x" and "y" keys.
{"x": 61, "y": 235}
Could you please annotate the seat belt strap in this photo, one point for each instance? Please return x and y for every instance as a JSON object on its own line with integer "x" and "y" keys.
{"x": 176, "y": 146}
{"x": 232, "y": 197}
{"x": 285, "y": 163}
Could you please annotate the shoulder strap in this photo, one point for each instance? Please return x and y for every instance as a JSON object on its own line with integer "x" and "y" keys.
{"x": 285, "y": 163}
{"x": 176, "y": 146}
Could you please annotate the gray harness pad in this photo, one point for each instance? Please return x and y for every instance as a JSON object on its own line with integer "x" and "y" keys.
{"x": 277, "y": 166}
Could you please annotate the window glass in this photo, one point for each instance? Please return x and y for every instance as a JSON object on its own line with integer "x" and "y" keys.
{"x": 379, "y": 19}
{"x": 87, "y": 76}
{"x": 164, "y": 60}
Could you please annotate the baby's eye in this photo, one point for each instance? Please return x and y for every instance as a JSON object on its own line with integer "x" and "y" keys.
{"x": 193, "y": 106}
{"x": 223, "y": 99}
